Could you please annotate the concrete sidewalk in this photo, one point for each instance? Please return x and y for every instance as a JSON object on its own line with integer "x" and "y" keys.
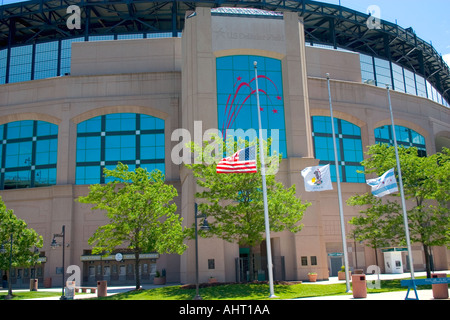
{"x": 399, "y": 295}
{"x": 387, "y": 296}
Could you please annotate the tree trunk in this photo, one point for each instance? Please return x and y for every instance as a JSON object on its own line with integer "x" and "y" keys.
{"x": 427, "y": 260}
{"x": 251, "y": 267}
{"x": 376, "y": 256}
{"x": 136, "y": 270}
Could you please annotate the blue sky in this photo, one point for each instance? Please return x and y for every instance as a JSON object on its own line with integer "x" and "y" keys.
{"x": 429, "y": 19}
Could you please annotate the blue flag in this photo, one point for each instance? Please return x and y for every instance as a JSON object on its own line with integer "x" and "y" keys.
{"x": 384, "y": 185}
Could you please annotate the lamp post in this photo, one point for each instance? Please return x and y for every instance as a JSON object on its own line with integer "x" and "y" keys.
{"x": 54, "y": 245}
{"x": 34, "y": 288}
{"x": 3, "y": 250}
{"x": 206, "y": 227}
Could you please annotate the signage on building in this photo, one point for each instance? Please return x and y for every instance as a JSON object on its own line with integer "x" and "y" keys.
{"x": 335, "y": 254}
{"x": 124, "y": 257}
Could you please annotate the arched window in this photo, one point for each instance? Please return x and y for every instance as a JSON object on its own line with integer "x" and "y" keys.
{"x": 136, "y": 140}
{"x": 28, "y": 154}
{"x": 405, "y": 137}
{"x": 348, "y": 145}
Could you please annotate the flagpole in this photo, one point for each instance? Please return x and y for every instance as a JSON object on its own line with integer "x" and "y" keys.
{"x": 263, "y": 173}
{"x": 338, "y": 180}
{"x": 405, "y": 215}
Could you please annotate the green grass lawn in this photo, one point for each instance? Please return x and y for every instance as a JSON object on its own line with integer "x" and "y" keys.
{"x": 250, "y": 291}
{"x": 21, "y": 295}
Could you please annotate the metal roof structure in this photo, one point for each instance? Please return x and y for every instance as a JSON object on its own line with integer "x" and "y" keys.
{"x": 40, "y": 20}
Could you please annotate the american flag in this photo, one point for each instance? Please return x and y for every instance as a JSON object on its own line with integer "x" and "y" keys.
{"x": 243, "y": 161}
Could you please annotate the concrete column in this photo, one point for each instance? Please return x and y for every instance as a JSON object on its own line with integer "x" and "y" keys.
{"x": 295, "y": 79}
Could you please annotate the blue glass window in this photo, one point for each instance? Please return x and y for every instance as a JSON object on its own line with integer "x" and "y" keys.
{"x": 348, "y": 145}
{"x": 367, "y": 70}
{"x": 46, "y": 60}
{"x": 410, "y": 82}
{"x": 28, "y": 154}
{"x": 405, "y": 137}
{"x": 382, "y": 72}
{"x": 399, "y": 81}
{"x": 236, "y": 98}
{"x": 20, "y": 65}
{"x": 3, "y": 62}
{"x": 66, "y": 53}
{"x": 136, "y": 140}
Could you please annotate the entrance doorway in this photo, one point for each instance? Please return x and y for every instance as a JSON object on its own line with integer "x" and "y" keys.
{"x": 335, "y": 266}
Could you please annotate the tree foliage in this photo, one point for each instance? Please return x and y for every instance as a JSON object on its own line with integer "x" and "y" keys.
{"x": 24, "y": 241}
{"x": 426, "y": 183}
{"x": 234, "y": 203}
{"x": 141, "y": 213}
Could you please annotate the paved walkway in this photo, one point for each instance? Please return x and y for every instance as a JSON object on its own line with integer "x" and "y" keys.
{"x": 400, "y": 295}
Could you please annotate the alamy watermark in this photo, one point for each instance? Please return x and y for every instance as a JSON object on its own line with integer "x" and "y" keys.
{"x": 74, "y": 20}
{"x": 374, "y": 20}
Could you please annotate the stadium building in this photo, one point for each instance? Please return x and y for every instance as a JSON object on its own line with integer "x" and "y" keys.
{"x": 78, "y": 93}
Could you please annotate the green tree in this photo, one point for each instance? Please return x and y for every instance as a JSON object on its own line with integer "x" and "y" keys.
{"x": 24, "y": 241}
{"x": 426, "y": 183}
{"x": 234, "y": 202}
{"x": 378, "y": 224}
{"x": 141, "y": 213}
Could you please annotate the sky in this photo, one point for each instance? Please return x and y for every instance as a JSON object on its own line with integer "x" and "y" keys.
{"x": 429, "y": 19}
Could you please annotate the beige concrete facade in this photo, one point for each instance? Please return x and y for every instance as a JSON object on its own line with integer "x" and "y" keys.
{"x": 175, "y": 79}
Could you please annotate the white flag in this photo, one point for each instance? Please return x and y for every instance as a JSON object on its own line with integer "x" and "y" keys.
{"x": 317, "y": 178}
{"x": 384, "y": 185}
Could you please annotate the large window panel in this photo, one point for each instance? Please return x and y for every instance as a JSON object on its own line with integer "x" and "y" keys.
{"x": 46, "y": 60}
{"x": 348, "y": 146}
{"x": 3, "y": 62}
{"x": 66, "y": 53}
{"x": 421, "y": 86}
{"x": 136, "y": 140}
{"x": 383, "y": 72}
{"x": 399, "y": 81}
{"x": 367, "y": 70}
{"x": 20, "y": 63}
{"x": 410, "y": 82}
{"x": 236, "y": 97}
{"x": 28, "y": 154}
{"x": 405, "y": 137}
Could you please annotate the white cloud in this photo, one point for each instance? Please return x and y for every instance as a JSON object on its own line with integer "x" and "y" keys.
{"x": 446, "y": 58}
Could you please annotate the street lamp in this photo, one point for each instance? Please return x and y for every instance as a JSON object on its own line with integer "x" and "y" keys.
{"x": 3, "y": 250}
{"x": 54, "y": 245}
{"x": 34, "y": 288}
{"x": 205, "y": 226}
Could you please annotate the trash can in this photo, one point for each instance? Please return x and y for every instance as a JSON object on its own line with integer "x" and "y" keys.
{"x": 359, "y": 286}
{"x": 102, "y": 288}
{"x": 33, "y": 284}
{"x": 440, "y": 291}
{"x": 69, "y": 290}
{"x": 48, "y": 282}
